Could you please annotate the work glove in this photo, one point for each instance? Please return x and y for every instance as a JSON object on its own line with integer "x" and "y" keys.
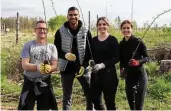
{"x": 70, "y": 56}
{"x": 81, "y": 71}
{"x": 134, "y": 62}
{"x": 88, "y": 69}
{"x": 44, "y": 68}
{"x": 98, "y": 67}
{"x": 87, "y": 73}
{"x": 123, "y": 73}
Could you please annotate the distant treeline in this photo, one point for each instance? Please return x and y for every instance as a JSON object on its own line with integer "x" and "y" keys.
{"x": 26, "y": 24}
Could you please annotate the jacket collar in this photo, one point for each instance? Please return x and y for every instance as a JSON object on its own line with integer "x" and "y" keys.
{"x": 66, "y": 24}
{"x": 131, "y": 38}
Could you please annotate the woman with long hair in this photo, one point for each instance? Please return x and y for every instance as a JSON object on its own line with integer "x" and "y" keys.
{"x": 104, "y": 78}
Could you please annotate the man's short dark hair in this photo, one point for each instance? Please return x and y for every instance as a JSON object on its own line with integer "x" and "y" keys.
{"x": 73, "y": 8}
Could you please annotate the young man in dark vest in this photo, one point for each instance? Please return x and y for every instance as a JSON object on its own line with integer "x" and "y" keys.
{"x": 73, "y": 42}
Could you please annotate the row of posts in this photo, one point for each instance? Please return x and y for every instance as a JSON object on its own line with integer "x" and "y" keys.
{"x": 3, "y": 27}
{"x": 4, "y": 30}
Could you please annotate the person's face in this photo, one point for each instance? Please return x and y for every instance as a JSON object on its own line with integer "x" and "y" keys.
{"x": 73, "y": 17}
{"x": 41, "y": 30}
{"x": 126, "y": 30}
{"x": 102, "y": 26}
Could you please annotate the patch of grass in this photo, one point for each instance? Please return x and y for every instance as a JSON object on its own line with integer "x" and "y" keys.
{"x": 159, "y": 86}
{"x": 8, "y": 87}
{"x": 152, "y": 68}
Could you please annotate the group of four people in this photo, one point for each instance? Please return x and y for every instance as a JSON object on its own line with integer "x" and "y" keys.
{"x": 75, "y": 50}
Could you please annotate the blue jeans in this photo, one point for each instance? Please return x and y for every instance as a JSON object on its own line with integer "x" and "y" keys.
{"x": 67, "y": 85}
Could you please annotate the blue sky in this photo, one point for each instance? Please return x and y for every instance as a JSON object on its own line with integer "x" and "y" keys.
{"x": 144, "y": 10}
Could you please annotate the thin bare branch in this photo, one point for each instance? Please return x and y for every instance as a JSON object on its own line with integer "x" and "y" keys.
{"x": 148, "y": 29}
{"x": 154, "y": 21}
{"x": 53, "y": 7}
{"x": 81, "y": 11}
{"x": 44, "y": 9}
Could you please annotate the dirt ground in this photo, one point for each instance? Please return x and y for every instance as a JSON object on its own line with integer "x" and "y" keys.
{"x": 9, "y": 106}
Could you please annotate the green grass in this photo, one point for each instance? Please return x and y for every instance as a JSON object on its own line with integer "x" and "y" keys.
{"x": 159, "y": 86}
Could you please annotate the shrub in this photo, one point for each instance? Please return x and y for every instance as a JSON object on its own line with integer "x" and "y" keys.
{"x": 152, "y": 68}
{"x": 160, "y": 88}
{"x": 13, "y": 68}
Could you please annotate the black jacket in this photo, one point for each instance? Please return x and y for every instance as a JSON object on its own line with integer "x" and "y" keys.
{"x": 73, "y": 67}
{"x": 106, "y": 51}
{"x": 127, "y": 48}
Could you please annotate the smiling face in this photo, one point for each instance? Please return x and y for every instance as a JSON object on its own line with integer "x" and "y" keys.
{"x": 41, "y": 31}
{"x": 126, "y": 28}
{"x": 73, "y": 17}
{"x": 102, "y": 25}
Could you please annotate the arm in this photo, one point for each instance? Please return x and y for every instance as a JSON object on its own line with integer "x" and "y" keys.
{"x": 53, "y": 65}
{"x": 54, "y": 60}
{"x": 58, "y": 44}
{"x": 33, "y": 67}
{"x": 25, "y": 55}
{"x": 121, "y": 58}
{"x": 144, "y": 53}
{"x": 28, "y": 66}
{"x": 115, "y": 53}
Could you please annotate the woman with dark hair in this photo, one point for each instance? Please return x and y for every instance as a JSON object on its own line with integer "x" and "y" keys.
{"x": 104, "y": 78}
{"x": 133, "y": 54}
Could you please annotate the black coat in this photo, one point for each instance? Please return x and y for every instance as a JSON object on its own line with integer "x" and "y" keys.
{"x": 106, "y": 51}
{"x": 127, "y": 49}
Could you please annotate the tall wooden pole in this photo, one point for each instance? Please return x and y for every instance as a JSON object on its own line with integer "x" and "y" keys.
{"x": 17, "y": 27}
{"x": 132, "y": 10}
{"x": 89, "y": 20}
{"x": 96, "y": 26}
{"x": 4, "y": 28}
{"x": 106, "y": 8}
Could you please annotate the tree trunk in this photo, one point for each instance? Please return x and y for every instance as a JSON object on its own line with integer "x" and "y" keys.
{"x": 165, "y": 66}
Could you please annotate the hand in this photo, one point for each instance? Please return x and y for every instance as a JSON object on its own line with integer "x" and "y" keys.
{"x": 47, "y": 68}
{"x": 44, "y": 68}
{"x": 81, "y": 71}
{"x": 123, "y": 73}
{"x": 134, "y": 62}
{"x": 98, "y": 67}
{"x": 70, "y": 56}
{"x": 122, "y": 70}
